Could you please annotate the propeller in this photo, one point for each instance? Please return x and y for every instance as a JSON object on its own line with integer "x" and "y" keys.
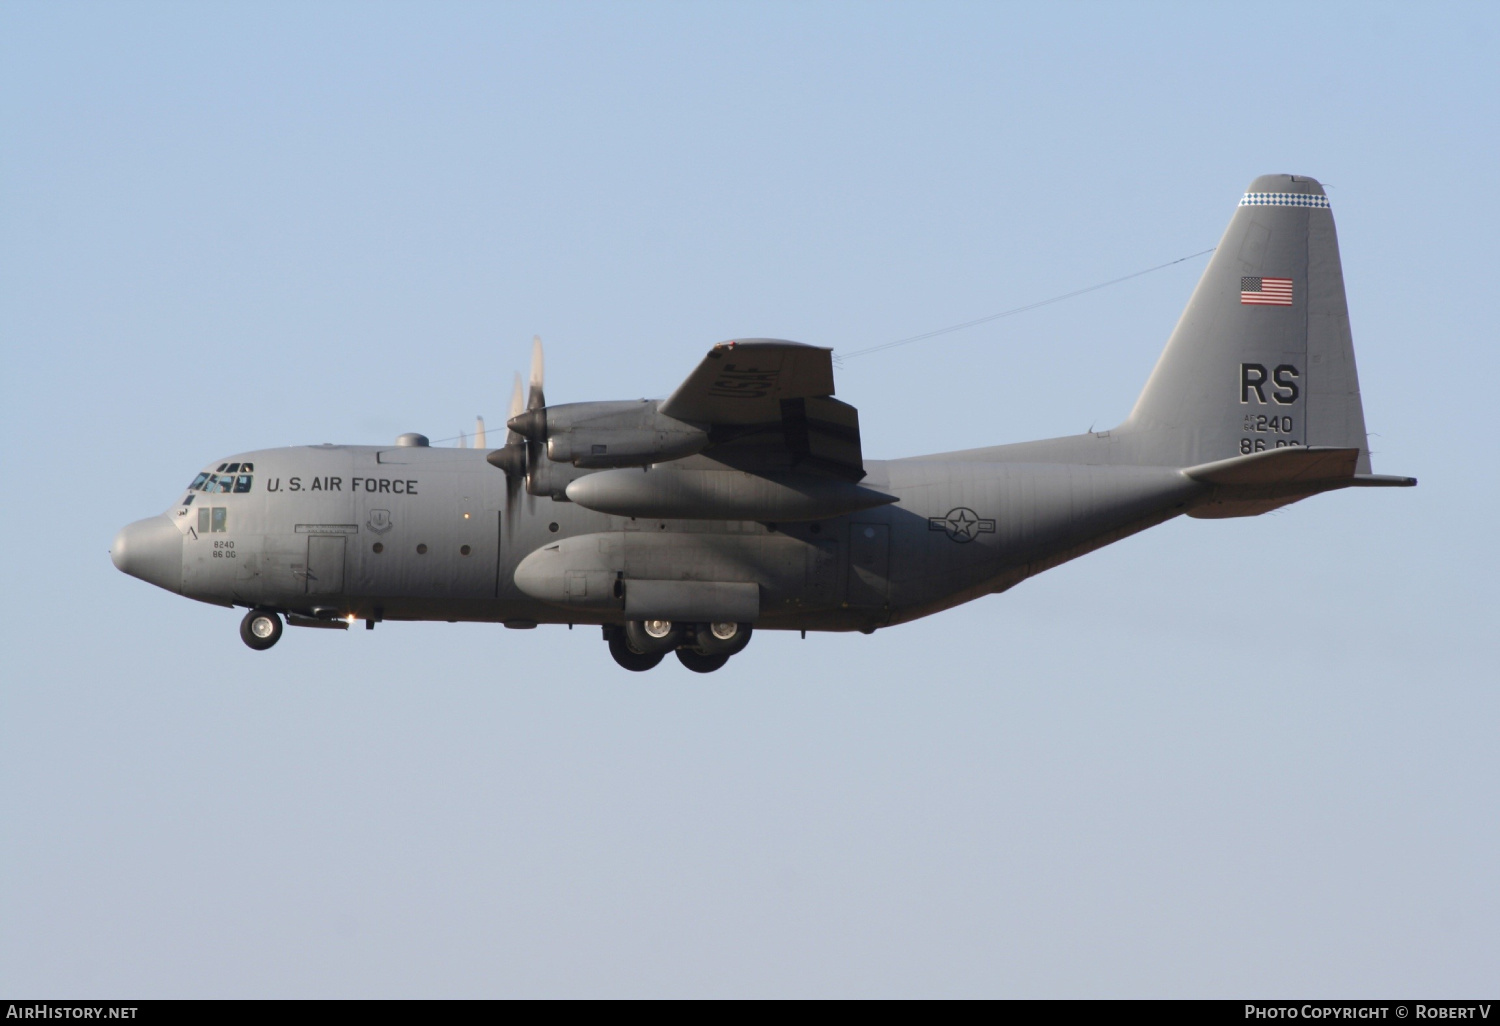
{"x": 535, "y": 401}
{"x": 532, "y": 424}
{"x": 517, "y": 404}
{"x": 519, "y": 453}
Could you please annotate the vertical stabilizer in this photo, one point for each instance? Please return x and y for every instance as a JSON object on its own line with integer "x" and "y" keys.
{"x": 1262, "y": 357}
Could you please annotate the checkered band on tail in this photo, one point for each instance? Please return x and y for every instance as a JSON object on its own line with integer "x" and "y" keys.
{"x": 1283, "y": 199}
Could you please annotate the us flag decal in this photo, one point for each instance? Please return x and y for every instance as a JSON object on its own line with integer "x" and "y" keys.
{"x": 1266, "y": 291}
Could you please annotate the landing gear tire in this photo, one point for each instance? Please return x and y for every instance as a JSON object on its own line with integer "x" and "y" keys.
{"x": 700, "y": 663}
{"x": 629, "y": 657}
{"x": 260, "y": 629}
{"x": 653, "y": 636}
{"x": 721, "y": 639}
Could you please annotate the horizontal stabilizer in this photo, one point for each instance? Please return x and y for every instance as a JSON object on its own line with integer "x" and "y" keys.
{"x": 1258, "y": 482}
{"x": 1295, "y": 464}
{"x": 1382, "y": 481}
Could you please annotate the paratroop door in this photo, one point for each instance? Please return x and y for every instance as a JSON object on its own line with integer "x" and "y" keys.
{"x": 869, "y": 564}
{"x": 325, "y": 564}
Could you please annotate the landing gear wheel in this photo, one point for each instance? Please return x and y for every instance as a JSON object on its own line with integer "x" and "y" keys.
{"x": 725, "y": 639}
{"x": 700, "y": 663}
{"x": 653, "y": 636}
{"x": 260, "y": 629}
{"x": 629, "y": 657}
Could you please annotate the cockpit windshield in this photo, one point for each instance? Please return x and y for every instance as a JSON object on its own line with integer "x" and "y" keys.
{"x": 230, "y": 477}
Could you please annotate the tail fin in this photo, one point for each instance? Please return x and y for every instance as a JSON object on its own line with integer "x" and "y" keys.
{"x": 1262, "y": 357}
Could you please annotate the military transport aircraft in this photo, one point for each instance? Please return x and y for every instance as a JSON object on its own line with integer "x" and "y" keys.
{"x": 743, "y": 500}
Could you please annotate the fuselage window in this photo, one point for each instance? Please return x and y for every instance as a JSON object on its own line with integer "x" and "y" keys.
{"x": 242, "y": 483}
{"x": 198, "y": 482}
{"x": 220, "y": 519}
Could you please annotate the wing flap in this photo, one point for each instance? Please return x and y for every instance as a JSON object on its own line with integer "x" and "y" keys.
{"x": 769, "y": 408}
{"x": 744, "y": 382}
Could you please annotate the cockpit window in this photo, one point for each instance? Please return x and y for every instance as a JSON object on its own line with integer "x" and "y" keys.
{"x": 203, "y": 515}
{"x": 188, "y": 500}
{"x": 223, "y": 467}
{"x": 229, "y": 481}
{"x": 220, "y": 518}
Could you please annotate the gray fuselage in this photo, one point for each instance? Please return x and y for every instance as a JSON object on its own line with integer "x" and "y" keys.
{"x": 419, "y": 533}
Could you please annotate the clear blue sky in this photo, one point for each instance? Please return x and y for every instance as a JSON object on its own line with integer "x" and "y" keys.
{"x": 1221, "y": 758}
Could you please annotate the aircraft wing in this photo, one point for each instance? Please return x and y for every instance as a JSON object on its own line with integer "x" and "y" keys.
{"x": 769, "y": 406}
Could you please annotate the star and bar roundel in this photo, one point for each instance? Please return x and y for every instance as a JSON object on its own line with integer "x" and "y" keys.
{"x": 962, "y": 524}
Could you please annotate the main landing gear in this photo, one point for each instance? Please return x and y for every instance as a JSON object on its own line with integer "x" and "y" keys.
{"x": 701, "y": 647}
{"x": 260, "y": 629}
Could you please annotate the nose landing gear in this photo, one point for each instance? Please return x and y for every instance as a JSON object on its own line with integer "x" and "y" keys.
{"x": 260, "y": 629}
{"x": 702, "y": 647}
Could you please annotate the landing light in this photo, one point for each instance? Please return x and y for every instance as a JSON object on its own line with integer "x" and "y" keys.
{"x": 350, "y": 618}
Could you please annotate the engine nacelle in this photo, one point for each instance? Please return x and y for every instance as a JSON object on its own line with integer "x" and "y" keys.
{"x": 611, "y": 434}
{"x": 679, "y": 493}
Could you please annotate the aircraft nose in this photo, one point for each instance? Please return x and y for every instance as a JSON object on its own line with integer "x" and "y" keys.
{"x": 150, "y": 549}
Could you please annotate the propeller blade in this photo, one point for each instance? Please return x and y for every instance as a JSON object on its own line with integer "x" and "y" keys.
{"x": 463, "y": 440}
{"x": 512, "y": 459}
{"x": 479, "y": 442}
{"x": 521, "y": 453}
{"x": 517, "y": 407}
{"x": 536, "y": 400}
